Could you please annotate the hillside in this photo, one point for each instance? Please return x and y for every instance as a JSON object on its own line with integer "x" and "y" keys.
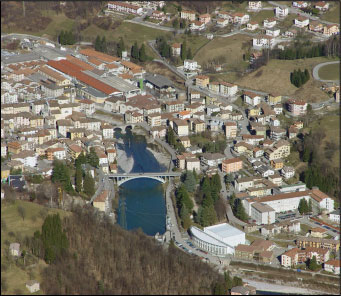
{"x": 105, "y": 259}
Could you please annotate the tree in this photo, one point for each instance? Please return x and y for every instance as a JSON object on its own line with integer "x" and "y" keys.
{"x": 170, "y": 137}
{"x": 98, "y": 44}
{"x": 23, "y": 255}
{"x": 184, "y": 51}
{"x": 176, "y": 24}
{"x": 237, "y": 281}
{"x": 228, "y": 280}
{"x": 120, "y": 47}
{"x": 185, "y": 218}
{"x": 22, "y": 212}
{"x": 92, "y": 158}
{"x": 303, "y": 207}
{"x": 89, "y": 185}
{"x": 190, "y": 182}
{"x": 135, "y": 51}
{"x": 313, "y": 264}
{"x": 142, "y": 53}
{"x": 310, "y": 207}
{"x": 232, "y": 200}
{"x": 219, "y": 289}
{"x": 104, "y": 44}
{"x": 79, "y": 178}
{"x": 189, "y": 54}
{"x": 240, "y": 210}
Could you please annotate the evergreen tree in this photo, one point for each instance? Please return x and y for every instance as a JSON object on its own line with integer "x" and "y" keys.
{"x": 228, "y": 280}
{"x": 219, "y": 289}
{"x": 240, "y": 210}
{"x": 170, "y": 137}
{"x": 98, "y": 44}
{"x": 81, "y": 159}
{"x": 184, "y": 51}
{"x": 104, "y": 44}
{"x": 61, "y": 37}
{"x": 306, "y": 75}
{"x": 92, "y": 158}
{"x": 120, "y": 47}
{"x": 232, "y": 200}
{"x": 303, "y": 207}
{"x": 208, "y": 200}
{"x": 176, "y": 24}
{"x": 206, "y": 185}
{"x": 313, "y": 264}
{"x": 135, "y": 51}
{"x": 183, "y": 198}
{"x": 185, "y": 218}
{"x": 79, "y": 178}
{"x": 237, "y": 281}
{"x": 89, "y": 185}
{"x": 190, "y": 182}
{"x": 142, "y": 53}
{"x": 189, "y": 54}
{"x": 310, "y": 207}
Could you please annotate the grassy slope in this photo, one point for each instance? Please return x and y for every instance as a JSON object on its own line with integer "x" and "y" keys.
{"x": 330, "y": 72}
{"x": 275, "y": 77}
{"x": 333, "y": 15}
{"x": 16, "y": 277}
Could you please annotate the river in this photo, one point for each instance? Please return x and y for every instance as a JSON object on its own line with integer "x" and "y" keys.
{"x": 141, "y": 201}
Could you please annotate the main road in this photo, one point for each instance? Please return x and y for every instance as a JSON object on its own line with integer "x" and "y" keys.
{"x": 317, "y": 68}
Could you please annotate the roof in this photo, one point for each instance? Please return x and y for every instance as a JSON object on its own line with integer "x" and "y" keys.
{"x": 80, "y": 63}
{"x": 206, "y": 237}
{"x": 102, "y": 196}
{"x": 263, "y": 208}
{"x": 31, "y": 282}
{"x": 245, "y": 248}
{"x": 99, "y": 55}
{"x": 223, "y": 230}
{"x": 158, "y": 80}
{"x": 232, "y": 160}
{"x": 334, "y": 262}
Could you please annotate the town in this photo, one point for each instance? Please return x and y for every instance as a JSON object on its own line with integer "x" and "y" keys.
{"x": 235, "y": 195}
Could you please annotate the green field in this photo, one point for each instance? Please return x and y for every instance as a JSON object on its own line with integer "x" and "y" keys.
{"x": 261, "y": 15}
{"x": 330, "y": 72}
{"x": 14, "y": 229}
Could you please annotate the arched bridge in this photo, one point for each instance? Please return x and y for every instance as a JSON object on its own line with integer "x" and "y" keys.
{"x": 125, "y": 177}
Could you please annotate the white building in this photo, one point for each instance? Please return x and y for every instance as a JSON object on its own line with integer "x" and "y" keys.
{"x": 262, "y": 213}
{"x": 300, "y": 4}
{"x": 219, "y": 239}
{"x": 269, "y": 23}
{"x": 125, "y": 7}
{"x": 255, "y": 5}
{"x": 263, "y": 41}
{"x": 332, "y": 266}
{"x": 33, "y": 286}
{"x": 281, "y": 12}
{"x": 273, "y": 32}
{"x": 335, "y": 216}
{"x": 301, "y": 22}
{"x": 288, "y": 172}
{"x": 190, "y": 65}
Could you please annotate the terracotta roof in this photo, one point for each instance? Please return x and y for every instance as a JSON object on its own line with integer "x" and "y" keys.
{"x": 232, "y": 160}
{"x": 99, "y": 55}
{"x": 80, "y": 63}
{"x": 102, "y": 197}
{"x": 334, "y": 262}
{"x": 245, "y": 248}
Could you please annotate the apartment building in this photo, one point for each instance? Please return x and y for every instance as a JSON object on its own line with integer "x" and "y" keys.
{"x": 232, "y": 165}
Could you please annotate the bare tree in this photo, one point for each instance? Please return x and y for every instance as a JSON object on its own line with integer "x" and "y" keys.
{"x": 22, "y": 212}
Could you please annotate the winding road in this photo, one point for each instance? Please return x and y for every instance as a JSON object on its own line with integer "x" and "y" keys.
{"x": 318, "y": 67}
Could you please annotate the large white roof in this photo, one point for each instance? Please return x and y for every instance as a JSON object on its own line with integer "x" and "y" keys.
{"x": 207, "y": 238}
{"x": 224, "y": 230}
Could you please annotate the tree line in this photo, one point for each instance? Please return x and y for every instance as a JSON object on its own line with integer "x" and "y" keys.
{"x": 66, "y": 38}
{"x": 165, "y": 49}
{"x": 298, "y": 78}
{"x": 172, "y": 140}
{"x": 238, "y": 208}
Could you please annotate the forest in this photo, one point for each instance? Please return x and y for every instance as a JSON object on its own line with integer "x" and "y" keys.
{"x": 101, "y": 258}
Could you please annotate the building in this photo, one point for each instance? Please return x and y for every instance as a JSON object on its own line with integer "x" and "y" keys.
{"x": 300, "y": 4}
{"x": 192, "y": 164}
{"x": 228, "y": 89}
{"x": 188, "y": 15}
{"x": 318, "y": 232}
{"x": 322, "y": 6}
{"x": 33, "y": 286}
{"x": 230, "y": 130}
{"x": 205, "y": 18}
{"x": 232, "y": 165}
{"x": 262, "y": 213}
{"x": 212, "y": 159}
{"x": 330, "y": 30}
{"x": 190, "y": 65}
{"x": 281, "y": 12}
{"x": 301, "y": 22}
{"x": 295, "y": 256}
{"x": 288, "y": 172}
{"x": 331, "y": 244}
{"x": 251, "y": 98}
{"x": 125, "y": 7}
{"x": 332, "y": 266}
{"x": 263, "y": 41}
{"x": 255, "y": 5}
{"x": 297, "y": 107}
{"x": 269, "y": 23}
{"x": 197, "y": 25}
{"x": 335, "y": 216}
{"x": 176, "y": 49}
{"x": 241, "y": 18}
{"x": 273, "y": 32}
{"x": 252, "y": 26}
{"x": 202, "y": 80}
{"x": 219, "y": 239}
{"x": 180, "y": 127}
{"x": 101, "y": 202}
{"x": 14, "y": 249}
{"x": 222, "y": 22}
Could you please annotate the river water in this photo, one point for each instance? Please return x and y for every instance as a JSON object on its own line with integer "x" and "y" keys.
{"x": 141, "y": 201}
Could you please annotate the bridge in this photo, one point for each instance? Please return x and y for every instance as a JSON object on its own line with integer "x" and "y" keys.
{"x": 125, "y": 177}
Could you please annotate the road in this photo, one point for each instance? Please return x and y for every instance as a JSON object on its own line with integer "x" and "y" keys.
{"x": 317, "y": 68}
{"x": 140, "y": 21}
{"x": 305, "y": 220}
{"x": 300, "y": 12}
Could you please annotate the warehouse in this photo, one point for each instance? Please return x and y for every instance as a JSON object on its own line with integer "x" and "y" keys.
{"x": 218, "y": 239}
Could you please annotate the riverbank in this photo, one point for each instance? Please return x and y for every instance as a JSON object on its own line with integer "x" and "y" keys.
{"x": 162, "y": 158}
{"x": 124, "y": 162}
{"x": 280, "y": 289}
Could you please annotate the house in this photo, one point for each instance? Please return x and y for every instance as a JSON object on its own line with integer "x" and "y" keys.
{"x": 232, "y": 165}
{"x": 176, "y": 49}
{"x": 202, "y": 80}
{"x": 257, "y": 152}
{"x": 322, "y": 6}
{"x": 301, "y": 22}
{"x": 292, "y": 132}
{"x": 263, "y": 41}
{"x": 212, "y": 159}
{"x": 288, "y": 172}
{"x": 101, "y": 202}
{"x": 33, "y": 286}
{"x": 180, "y": 127}
{"x": 269, "y": 23}
{"x": 251, "y": 98}
{"x": 281, "y": 12}
{"x": 315, "y": 26}
{"x": 212, "y": 109}
{"x": 318, "y": 232}
{"x": 252, "y": 26}
{"x": 255, "y": 5}
{"x": 280, "y": 150}
{"x": 55, "y": 153}
{"x": 158, "y": 15}
{"x": 27, "y": 157}
{"x": 276, "y": 179}
{"x": 332, "y": 266}
{"x": 197, "y": 26}
{"x": 291, "y": 33}
{"x": 262, "y": 213}
{"x": 335, "y": 216}
{"x": 330, "y": 30}
{"x": 230, "y": 130}
{"x": 188, "y": 15}
{"x": 273, "y": 32}
{"x": 228, "y": 89}
{"x": 278, "y": 109}
{"x": 154, "y": 119}
{"x": 14, "y": 249}
{"x": 252, "y": 139}
{"x": 192, "y": 164}
{"x": 241, "y": 18}
{"x": 222, "y": 22}
{"x": 265, "y": 171}
{"x": 300, "y": 4}
{"x": 239, "y": 290}
{"x": 277, "y": 133}
{"x": 277, "y": 164}
{"x": 190, "y": 65}
{"x": 205, "y": 18}
{"x": 297, "y": 107}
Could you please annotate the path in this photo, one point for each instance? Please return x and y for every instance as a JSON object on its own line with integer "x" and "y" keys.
{"x": 317, "y": 68}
